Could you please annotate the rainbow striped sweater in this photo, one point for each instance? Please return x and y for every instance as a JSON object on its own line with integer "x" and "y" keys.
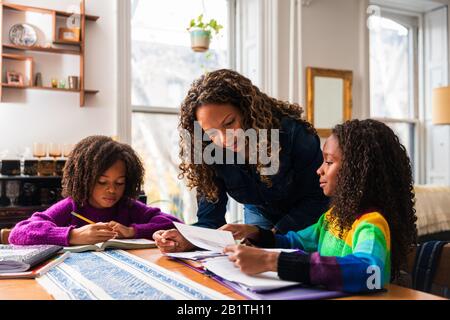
{"x": 358, "y": 261}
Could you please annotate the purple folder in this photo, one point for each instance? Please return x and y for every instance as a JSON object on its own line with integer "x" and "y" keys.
{"x": 296, "y": 292}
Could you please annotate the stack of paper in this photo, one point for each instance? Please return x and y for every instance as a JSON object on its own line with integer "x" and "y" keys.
{"x": 195, "y": 255}
{"x": 21, "y": 258}
{"x": 215, "y": 241}
{"x": 265, "y": 281}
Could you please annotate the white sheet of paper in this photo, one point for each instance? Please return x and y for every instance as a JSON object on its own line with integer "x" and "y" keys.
{"x": 133, "y": 241}
{"x": 194, "y": 255}
{"x": 209, "y": 239}
{"x": 225, "y": 269}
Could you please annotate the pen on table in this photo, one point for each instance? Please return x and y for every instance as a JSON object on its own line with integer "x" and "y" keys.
{"x": 53, "y": 263}
{"x": 79, "y": 216}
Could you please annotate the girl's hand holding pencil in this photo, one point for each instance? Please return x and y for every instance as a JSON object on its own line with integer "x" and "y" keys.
{"x": 91, "y": 234}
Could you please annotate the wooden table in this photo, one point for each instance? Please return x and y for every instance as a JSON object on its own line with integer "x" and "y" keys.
{"x": 30, "y": 290}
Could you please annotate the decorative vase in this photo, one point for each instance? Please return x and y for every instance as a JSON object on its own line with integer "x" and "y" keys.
{"x": 200, "y": 40}
{"x": 38, "y": 80}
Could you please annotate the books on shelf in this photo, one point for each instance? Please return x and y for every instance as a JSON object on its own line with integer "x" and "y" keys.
{"x": 15, "y": 259}
{"x": 125, "y": 244}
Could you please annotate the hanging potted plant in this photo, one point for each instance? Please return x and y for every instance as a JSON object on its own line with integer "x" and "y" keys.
{"x": 201, "y": 33}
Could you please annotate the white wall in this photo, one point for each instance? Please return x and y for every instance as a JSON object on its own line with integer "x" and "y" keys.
{"x": 333, "y": 36}
{"x": 32, "y": 115}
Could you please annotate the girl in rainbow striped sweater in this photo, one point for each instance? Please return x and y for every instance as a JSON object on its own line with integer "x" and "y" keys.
{"x": 365, "y": 236}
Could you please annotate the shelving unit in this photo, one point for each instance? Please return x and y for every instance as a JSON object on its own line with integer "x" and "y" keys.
{"x": 11, "y": 86}
{"x": 29, "y": 65}
{"x": 10, "y": 215}
{"x": 70, "y": 47}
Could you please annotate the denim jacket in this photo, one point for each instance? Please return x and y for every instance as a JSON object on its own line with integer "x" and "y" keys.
{"x": 295, "y": 199}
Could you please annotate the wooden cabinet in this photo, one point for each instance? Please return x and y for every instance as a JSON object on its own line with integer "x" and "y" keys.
{"x": 10, "y": 51}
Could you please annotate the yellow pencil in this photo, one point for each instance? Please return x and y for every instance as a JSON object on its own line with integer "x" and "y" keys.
{"x": 79, "y": 216}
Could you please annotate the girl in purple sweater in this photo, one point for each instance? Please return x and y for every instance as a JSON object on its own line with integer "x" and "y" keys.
{"x": 101, "y": 181}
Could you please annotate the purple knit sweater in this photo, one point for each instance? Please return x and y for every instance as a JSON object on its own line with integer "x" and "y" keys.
{"x": 53, "y": 225}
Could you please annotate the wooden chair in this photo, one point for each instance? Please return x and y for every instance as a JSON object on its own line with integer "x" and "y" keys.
{"x": 4, "y": 235}
{"x": 441, "y": 280}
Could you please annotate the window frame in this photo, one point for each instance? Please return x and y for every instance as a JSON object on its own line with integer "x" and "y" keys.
{"x": 234, "y": 209}
{"x": 231, "y": 62}
{"x": 415, "y": 31}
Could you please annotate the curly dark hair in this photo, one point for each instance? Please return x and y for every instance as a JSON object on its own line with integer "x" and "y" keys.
{"x": 259, "y": 111}
{"x": 375, "y": 174}
{"x": 91, "y": 157}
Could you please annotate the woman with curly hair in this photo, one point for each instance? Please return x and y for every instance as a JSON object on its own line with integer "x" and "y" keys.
{"x": 222, "y": 105}
{"x": 102, "y": 179}
{"x": 365, "y": 237}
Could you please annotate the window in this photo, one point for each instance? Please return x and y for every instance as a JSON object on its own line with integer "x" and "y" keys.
{"x": 163, "y": 67}
{"x": 163, "y": 64}
{"x": 393, "y": 76}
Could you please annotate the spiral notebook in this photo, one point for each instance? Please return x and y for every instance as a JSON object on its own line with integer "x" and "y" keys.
{"x": 22, "y": 258}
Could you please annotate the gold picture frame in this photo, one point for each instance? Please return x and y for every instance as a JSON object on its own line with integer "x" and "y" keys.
{"x": 14, "y": 78}
{"x": 328, "y": 98}
{"x": 69, "y": 34}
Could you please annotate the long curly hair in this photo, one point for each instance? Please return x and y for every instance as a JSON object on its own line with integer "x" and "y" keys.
{"x": 258, "y": 110}
{"x": 375, "y": 174}
{"x": 90, "y": 158}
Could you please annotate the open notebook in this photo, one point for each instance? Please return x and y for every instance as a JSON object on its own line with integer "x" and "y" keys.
{"x": 125, "y": 244}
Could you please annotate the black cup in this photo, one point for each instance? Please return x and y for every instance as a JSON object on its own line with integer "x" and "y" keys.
{"x": 10, "y": 167}
{"x": 46, "y": 167}
{"x": 59, "y": 169}
{"x": 30, "y": 167}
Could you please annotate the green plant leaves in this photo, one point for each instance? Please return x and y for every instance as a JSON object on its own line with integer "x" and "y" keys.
{"x": 212, "y": 25}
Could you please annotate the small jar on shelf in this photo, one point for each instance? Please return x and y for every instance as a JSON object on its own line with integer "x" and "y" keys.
{"x": 30, "y": 167}
{"x": 10, "y": 167}
{"x": 46, "y": 167}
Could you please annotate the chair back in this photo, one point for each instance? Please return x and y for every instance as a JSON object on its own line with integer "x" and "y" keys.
{"x": 4, "y": 235}
{"x": 428, "y": 266}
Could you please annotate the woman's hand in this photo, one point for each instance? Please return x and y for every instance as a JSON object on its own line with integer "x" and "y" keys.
{"x": 91, "y": 233}
{"x": 240, "y": 231}
{"x": 171, "y": 241}
{"x": 122, "y": 231}
{"x": 252, "y": 260}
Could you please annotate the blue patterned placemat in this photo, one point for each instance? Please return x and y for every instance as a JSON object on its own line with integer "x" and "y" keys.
{"x": 118, "y": 275}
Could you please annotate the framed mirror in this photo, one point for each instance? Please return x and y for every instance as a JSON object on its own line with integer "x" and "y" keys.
{"x": 328, "y": 98}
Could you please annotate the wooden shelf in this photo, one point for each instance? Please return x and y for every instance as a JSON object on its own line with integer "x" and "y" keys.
{"x": 17, "y": 7}
{"x": 67, "y": 47}
{"x": 70, "y": 43}
{"x": 12, "y": 56}
{"x": 69, "y": 14}
{"x": 28, "y": 65}
{"x": 41, "y": 49}
{"x": 12, "y": 86}
{"x": 24, "y": 177}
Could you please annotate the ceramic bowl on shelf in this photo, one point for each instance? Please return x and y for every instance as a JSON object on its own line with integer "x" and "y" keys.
{"x": 23, "y": 34}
